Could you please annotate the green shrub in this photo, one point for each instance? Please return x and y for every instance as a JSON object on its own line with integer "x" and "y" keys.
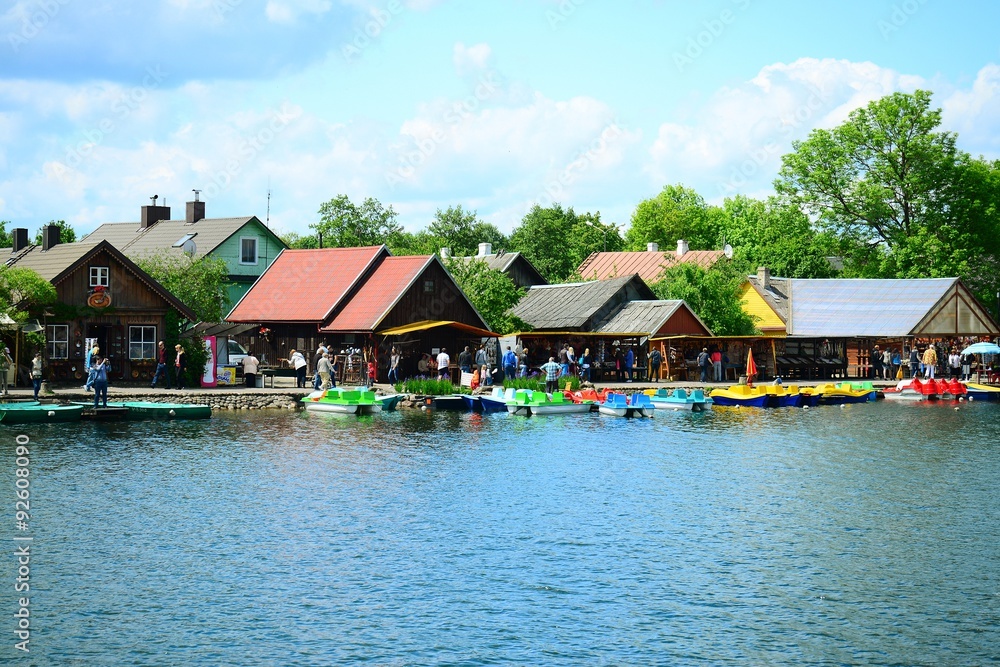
{"x": 523, "y": 383}
{"x": 429, "y": 387}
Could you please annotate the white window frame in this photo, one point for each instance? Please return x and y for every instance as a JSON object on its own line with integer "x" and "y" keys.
{"x": 100, "y": 276}
{"x": 145, "y": 331}
{"x": 57, "y": 341}
{"x": 256, "y": 250}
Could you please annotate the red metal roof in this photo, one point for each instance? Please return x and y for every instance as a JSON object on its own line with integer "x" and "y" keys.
{"x": 649, "y": 265}
{"x": 378, "y": 294}
{"x": 304, "y": 285}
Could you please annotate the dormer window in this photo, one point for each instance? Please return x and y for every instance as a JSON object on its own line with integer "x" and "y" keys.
{"x": 99, "y": 276}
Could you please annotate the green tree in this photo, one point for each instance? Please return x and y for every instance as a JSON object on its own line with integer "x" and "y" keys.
{"x": 22, "y": 292}
{"x": 492, "y": 292}
{"x": 777, "y": 235}
{"x": 412, "y": 243}
{"x": 6, "y": 238}
{"x": 344, "y": 224}
{"x": 299, "y": 242}
{"x": 714, "y": 294}
{"x": 556, "y": 241}
{"x": 462, "y": 232}
{"x": 199, "y": 284}
{"x": 66, "y": 233}
{"x": 676, "y": 213}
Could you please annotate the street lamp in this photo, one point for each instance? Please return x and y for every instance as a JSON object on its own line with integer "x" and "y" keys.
{"x": 603, "y": 229}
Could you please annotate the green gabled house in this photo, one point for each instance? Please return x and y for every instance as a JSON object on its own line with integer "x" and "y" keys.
{"x": 246, "y": 245}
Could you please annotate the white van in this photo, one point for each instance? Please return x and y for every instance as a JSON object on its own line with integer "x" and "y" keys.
{"x": 236, "y": 353}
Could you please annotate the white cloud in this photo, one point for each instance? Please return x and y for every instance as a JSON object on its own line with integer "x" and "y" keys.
{"x": 471, "y": 59}
{"x": 975, "y": 113}
{"x": 288, "y": 11}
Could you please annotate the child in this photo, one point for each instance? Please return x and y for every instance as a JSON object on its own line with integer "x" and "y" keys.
{"x": 372, "y": 372}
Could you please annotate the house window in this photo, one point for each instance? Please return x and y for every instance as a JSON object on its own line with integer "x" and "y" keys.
{"x": 248, "y": 251}
{"x": 141, "y": 343}
{"x": 428, "y": 287}
{"x": 99, "y": 276}
{"x": 57, "y": 337}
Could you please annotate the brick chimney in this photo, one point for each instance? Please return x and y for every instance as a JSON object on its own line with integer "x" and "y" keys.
{"x": 652, "y": 247}
{"x": 153, "y": 214}
{"x": 682, "y": 247}
{"x": 20, "y": 235}
{"x": 195, "y": 209}
{"x": 485, "y": 249}
{"x": 764, "y": 277}
{"x": 50, "y": 236}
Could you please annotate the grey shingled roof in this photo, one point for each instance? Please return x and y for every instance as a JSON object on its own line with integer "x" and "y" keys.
{"x": 52, "y": 262}
{"x": 775, "y": 294}
{"x": 130, "y": 238}
{"x": 862, "y": 307}
{"x": 645, "y": 317}
{"x": 571, "y": 306}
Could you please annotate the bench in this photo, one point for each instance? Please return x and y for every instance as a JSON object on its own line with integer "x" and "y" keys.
{"x": 272, "y": 373}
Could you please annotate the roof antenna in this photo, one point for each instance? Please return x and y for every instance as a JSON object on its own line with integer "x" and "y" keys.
{"x": 267, "y": 221}
{"x": 196, "y": 193}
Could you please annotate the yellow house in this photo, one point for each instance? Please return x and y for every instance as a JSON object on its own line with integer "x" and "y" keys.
{"x": 766, "y": 299}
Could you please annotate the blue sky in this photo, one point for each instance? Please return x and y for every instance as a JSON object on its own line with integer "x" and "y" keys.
{"x": 426, "y": 104}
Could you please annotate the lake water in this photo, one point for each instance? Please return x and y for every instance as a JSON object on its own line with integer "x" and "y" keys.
{"x": 868, "y": 534}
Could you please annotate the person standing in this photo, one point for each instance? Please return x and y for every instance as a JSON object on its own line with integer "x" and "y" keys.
{"x": 321, "y": 349}
{"x": 481, "y": 361}
{"x": 717, "y": 365}
{"x": 966, "y": 367}
{"x": 5, "y": 364}
{"x": 564, "y": 360}
{"x": 161, "y": 367}
{"x": 585, "y": 362}
{"x": 250, "y": 365}
{"x": 703, "y": 361}
{"x": 465, "y": 360}
{"x": 887, "y": 364}
{"x": 954, "y": 364}
{"x": 36, "y": 373}
{"x": 509, "y": 364}
{"x": 876, "y": 361}
{"x": 298, "y": 362}
{"x": 571, "y": 357}
{"x": 443, "y": 361}
{"x": 629, "y": 363}
{"x": 180, "y": 365}
{"x": 89, "y": 362}
{"x": 552, "y": 371}
{"x": 394, "y": 366}
{"x": 100, "y": 381}
{"x": 930, "y": 361}
{"x": 914, "y": 362}
{"x": 655, "y": 359}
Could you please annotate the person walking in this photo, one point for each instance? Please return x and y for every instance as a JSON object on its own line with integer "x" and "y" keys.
{"x": 297, "y": 361}
{"x": 325, "y": 369}
{"x": 914, "y": 362}
{"x": 5, "y": 364}
{"x": 655, "y": 360}
{"x": 36, "y": 373}
{"x": 100, "y": 382}
{"x": 161, "y": 367}
{"x": 717, "y": 365}
{"x": 250, "y": 365}
{"x": 703, "y": 360}
{"x": 930, "y": 361}
{"x": 443, "y": 361}
{"x": 887, "y": 372}
{"x": 552, "y": 371}
{"x": 180, "y": 365}
{"x": 89, "y": 362}
{"x": 629, "y": 364}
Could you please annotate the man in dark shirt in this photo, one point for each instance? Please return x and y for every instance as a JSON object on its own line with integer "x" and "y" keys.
{"x": 465, "y": 360}
{"x": 161, "y": 367}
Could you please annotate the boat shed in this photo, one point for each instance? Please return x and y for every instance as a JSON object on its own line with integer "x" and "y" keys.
{"x": 604, "y": 316}
{"x": 362, "y": 302}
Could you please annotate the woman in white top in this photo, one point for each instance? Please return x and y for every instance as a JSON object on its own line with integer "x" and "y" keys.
{"x": 298, "y": 362}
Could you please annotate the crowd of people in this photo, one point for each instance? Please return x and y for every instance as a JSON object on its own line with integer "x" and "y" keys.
{"x": 941, "y": 359}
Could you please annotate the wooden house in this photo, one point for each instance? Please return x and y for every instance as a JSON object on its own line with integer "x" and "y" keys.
{"x": 102, "y": 295}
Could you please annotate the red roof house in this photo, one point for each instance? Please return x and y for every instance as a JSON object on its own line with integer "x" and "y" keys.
{"x": 649, "y": 264}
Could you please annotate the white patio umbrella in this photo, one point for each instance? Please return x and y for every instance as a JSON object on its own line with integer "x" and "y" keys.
{"x": 981, "y": 348}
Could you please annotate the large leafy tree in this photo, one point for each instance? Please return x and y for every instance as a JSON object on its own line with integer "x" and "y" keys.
{"x": 777, "y": 235}
{"x": 492, "y": 292}
{"x": 714, "y": 294}
{"x": 6, "y": 238}
{"x": 199, "y": 284}
{"x": 675, "y": 213}
{"x": 344, "y": 224}
{"x": 557, "y": 240}
{"x": 23, "y": 291}
{"x": 462, "y": 232}
{"x": 297, "y": 241}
